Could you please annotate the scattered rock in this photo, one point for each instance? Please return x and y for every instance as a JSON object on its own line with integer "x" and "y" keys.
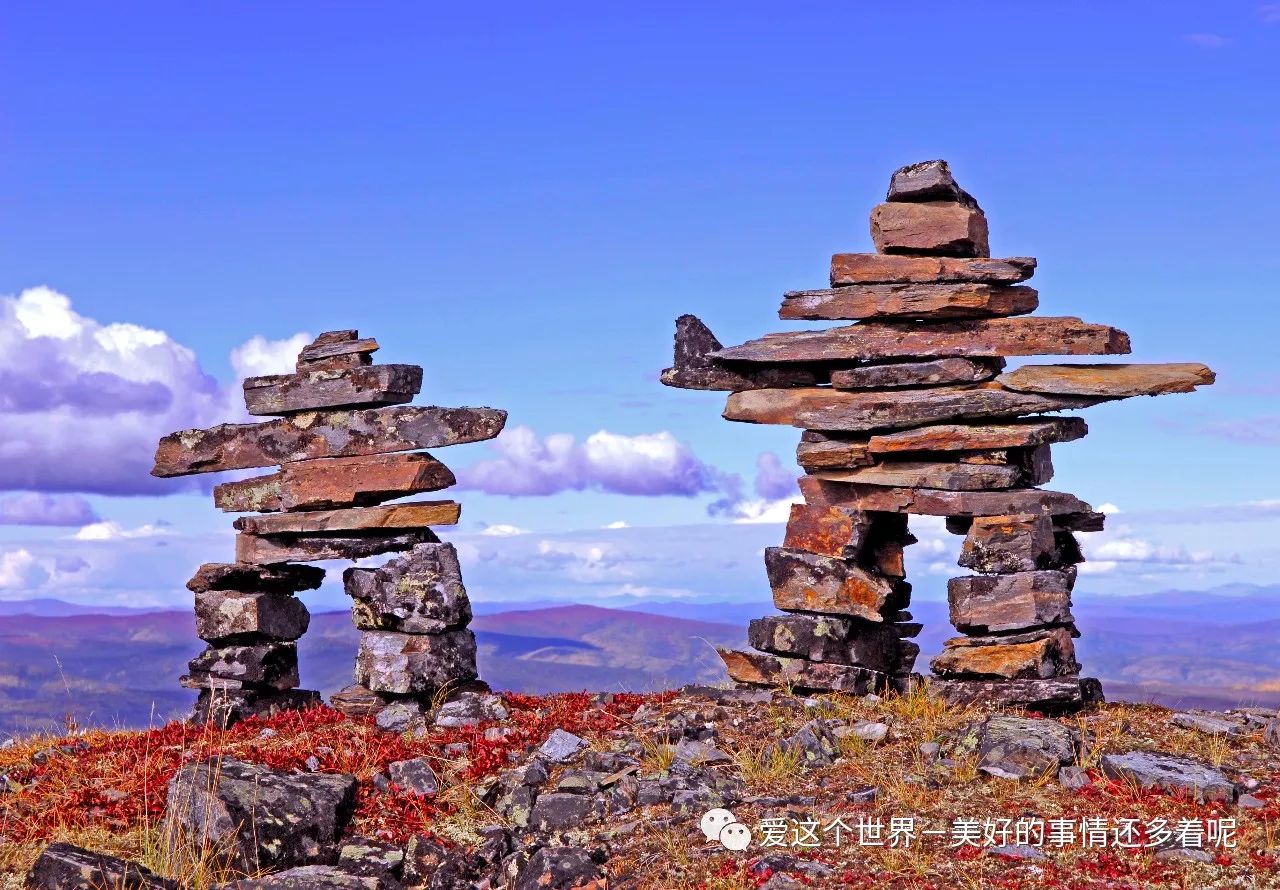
{"x": 561, "y": 746}
{"x": 557, "y": 811}
{"x": 264, "y": 819}
{"x": 471, "y": 709}
{"x": 1016, "y": 851}
{"x": 1183, "y": 854}
{"x": 700, "y": 753}
{"x": 63, "y": 866}
{"x": 399, "y": 716}
{"x": 1169, "y": 773}
{"x": 1210, "y": 723}
{"x": 1074, "y": 778}
{"x": 815, "y": 744}
{"x": 559, "y": 868}
{"x": 414, "y": 775}
{"x": 1020, "y": 747}
{"x": 311, "y": 877}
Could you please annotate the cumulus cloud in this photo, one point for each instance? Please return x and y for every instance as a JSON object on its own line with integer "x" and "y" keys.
{"x": 773, "y": 480}
{"x": 259, "y": 356}
{"x": 648, "y": 464}
{"x": 38, "y": 508}
{"x": 83, "y": 402}
{"x": 20, "y": 570}
{"x": 114, "y": 531}
{"x": 500, "y": 530}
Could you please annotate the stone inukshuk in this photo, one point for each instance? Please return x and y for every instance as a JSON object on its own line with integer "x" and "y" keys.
{"x": 909, "y": 410}
{"x": 345, "y": 443}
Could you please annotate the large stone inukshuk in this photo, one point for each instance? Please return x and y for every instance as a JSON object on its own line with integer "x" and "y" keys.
{"x": 345, "y": 443}
{"x": 910, "y": 411}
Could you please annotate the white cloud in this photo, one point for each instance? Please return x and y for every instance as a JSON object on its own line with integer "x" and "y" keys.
{"x": 110, "y": 530}
{"x": 500, "y": 530}
{"x": 1109, "y": 508}
{"x": 20, "y": 570}
{"x": 762, "y": 511}
{"x": 618, "y": 523}
{"x": 259, "y": 356}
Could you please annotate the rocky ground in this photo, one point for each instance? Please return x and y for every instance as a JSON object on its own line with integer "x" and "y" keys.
{"x": 613, "y": 791}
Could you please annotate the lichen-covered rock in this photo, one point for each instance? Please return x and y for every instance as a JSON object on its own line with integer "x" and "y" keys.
{"x": 261, "y": 578}
{"x": 227, "y": 707}
{"x": 226, "y": 616}
{"x": 420, "y": 592}
{"x": 273, "y": 665}
{"x": 62, "y": 866}
{"x": 561, "y": 746}
{"x": 415, "y": 664}
{"x": 816, "y": 744}
{"x": 560, "y": 868}
{"x": 314, "y": 877}
{"x": 262, "y": 818}
{"x": 1020, "y": 747}
{"x": 471, "y": 709}
{"x": 414, "y": 775}
{"x": 1169, "y": 773}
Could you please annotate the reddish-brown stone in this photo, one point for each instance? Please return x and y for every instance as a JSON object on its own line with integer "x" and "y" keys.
{"x": 959, "y": 300}
{"x": 933, "y": 502}
{"x": 938, "y": 372}
{"x": 827, "y": 453}
{"x": 335, "y": 482}
{"x": 692, "y": 369}
{"x": 807, "y": 582}
{"x": 937, "y": 228}
{"x": 357, "y": 519}
{"x": 962, "y": 437}
{"x": 317, "y": 390}
{"x": 820, "y": 408}
{"x": 830, "y": 531}
{"x": 323, "y": 434}
{"x": 337, "y": 349}
{"x": 1030, "y": 335}
{"x": 926, "y": 474}
{"x": 1108, "y": 381}
{"x": 760, "y": 669}
{"x": 879, "y": 268}
{"x": 927, "y": 181}
{"x": 1035, "y": 655}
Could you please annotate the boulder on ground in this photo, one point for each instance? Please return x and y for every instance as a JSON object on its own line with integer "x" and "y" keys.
{"x": 63, "y": 866}
{"x": 1020, "y": 747}
{"x": 1178, "y": 775}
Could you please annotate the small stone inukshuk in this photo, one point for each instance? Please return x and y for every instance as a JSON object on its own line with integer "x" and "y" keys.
{"x": 909, "y": 410}
{"x": 346, "y": 444}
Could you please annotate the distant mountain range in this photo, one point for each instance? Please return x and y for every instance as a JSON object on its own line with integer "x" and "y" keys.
{"x": 120, "y": 667}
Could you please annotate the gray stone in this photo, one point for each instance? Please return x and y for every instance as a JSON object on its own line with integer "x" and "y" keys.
{"x": 419, "y": 593}
{"x": 1168, "y": 773}
{"x": 262, "y": 818}
{"x": 558, "y": 811}
{"x": 696, "y": 753}
{"x": 311, "y": 877}
{"x": 62, "y": 866}
{"x": 399, "y": 716}
{"x": 557, "y": 868}
{"x": 561, "y": 746}
{"x": 415, "y": 664}
{"x": 814, "y": 743}
{"x": 414, "y": 775}
{"x": 1016, "y": 851}
{"x": 1074, "y": 778}
{"x": 1182, "y": 854}
{"x": 1210, "y": 723}
{"x": 1020, "y": 747}
{"x": 471, "y": 709}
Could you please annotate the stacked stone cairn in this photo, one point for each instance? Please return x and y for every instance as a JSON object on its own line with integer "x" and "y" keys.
{"x": 909, "y": 410}
{"x": 345, "y": 443}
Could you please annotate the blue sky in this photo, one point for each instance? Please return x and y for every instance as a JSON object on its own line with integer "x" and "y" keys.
{"x": 523, "y": 199}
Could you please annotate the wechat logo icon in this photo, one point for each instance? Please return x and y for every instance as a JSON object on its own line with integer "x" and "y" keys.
{"x": 721, "y": 825}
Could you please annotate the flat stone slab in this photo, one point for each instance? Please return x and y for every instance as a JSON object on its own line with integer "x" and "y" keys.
{"x": 415, "y": 664}
{"x": 337, "y": 349}
{"x": 936, "y": 502}
{"x": 1033, "y": 655}
{"x": 395, "y": 516}
{"x": 1030, "y": 432}
{"x": 311, "y": 435}
{"x": 880, "y": 268}
{"x": 938, "y": 372}
{"x": 807, "y": 582}
{"x": 333, "y": 482}
{"x": 984, "y": 604}
{"x": 1214, "y": 724}
{"x": 815, "y": 451}
{"x": 262, "y": 818}
{"x": 309, "y": 877}
{"x": 62, "y": 866}
{"x": 1178, "y": 775}
{"x": 761, "y": 669}
{"x": 1055, "y": 695}
{"x": 420, "y": 592}
{"x": 827, "y": 638}
{"x": 820, "y": 408}
{"x": 937, "y": 228}
{"x": 561, "y": 746}
{"x": 935, "y": 474}
{"x": 316, "y": 390}
{"x": 956, "y": 300}
{"x": 927, "y": 181}
{"x": 693, "y": 369}
{"x": 1108, "y": 381}
{"x": 993, "y": 337}
{"x": 273, "y": 665}
{"x": 226, "y": 616}
{"x": 248, "y": 577}
{"x": 272, "y": 549}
